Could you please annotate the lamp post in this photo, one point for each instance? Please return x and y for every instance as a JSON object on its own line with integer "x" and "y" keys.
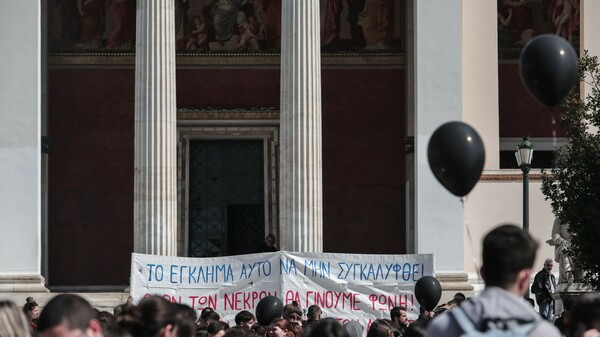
{"x": 524, "y": 154}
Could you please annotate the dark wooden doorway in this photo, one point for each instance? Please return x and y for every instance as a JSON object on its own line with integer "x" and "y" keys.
{"x": 226, "y": 197}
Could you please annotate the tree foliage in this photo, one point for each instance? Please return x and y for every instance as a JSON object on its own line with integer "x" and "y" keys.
{"x": 573, "y": 185}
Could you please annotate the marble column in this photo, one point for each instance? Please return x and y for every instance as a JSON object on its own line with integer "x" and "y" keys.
{"x": 155, "y": 196}
{"x": 20, "y": 148}
{"x": 435, "y": 97}
{"x": 301, "y": 196}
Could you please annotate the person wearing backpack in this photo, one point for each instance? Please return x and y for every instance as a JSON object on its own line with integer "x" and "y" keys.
{"x": 544, "y": 284}
{"x": 500, "y": 310}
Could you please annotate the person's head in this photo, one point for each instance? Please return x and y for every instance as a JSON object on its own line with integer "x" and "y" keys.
{"x": 105, "y": 317}
{"x": 380, "y": 328}
{"x": 259, "y": 329}
{"x": 245, "y": 319}
{"x": 314, "y": 313}
{"x": 152, "y": 317}
{"x": 292, "y": 312}
{"x": 585, "y": 314}
{"x": 280, "y": 327}
{"x": 416, "y": 329}
{"x": 217, "y": 329}
{"x": 548, "y": 264}
{"x": 31, "y": 309}
{"x": 212, "y": 317}
{"x": 203, "y": 321}
{"x": 398, "y": 315}
{"x": 270, "y": 240}
{"x": 354, "y": 329}
{"x": 296, "y": 328}
{"x": 453, "y": 303}
{"x": 508, "y": 256}
{"x": 237, "y": 331}
{"x": 13, "y": 322}
{"x": 329, "y": 327}
{"x": 185, "y": 320}
{"x": 68, "y": 315}
{"x": 460, "y": 296}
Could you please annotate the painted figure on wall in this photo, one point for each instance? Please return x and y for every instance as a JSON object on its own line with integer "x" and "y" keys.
{"x": 221, "y": 25}
{"x": 564, "y": 17}
{"x": 227, "y": 16}
{"x": 330, "y": 21}
{"x": 355, "y": 7}
{"x": 274, "y": 24}
{"x": 122, "y": 24}
{"x": 521, "y": 21}
{"x": 92, "y": 23}
{"x": 505, "y": 32}
{"x": 378, "y": 24}
{"x": 180, "y": 23}
{"x": 199, "y": 34}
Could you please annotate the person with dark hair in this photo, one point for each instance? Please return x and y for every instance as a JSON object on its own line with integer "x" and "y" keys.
{"x": 217, "y": 329}
{"x": 259, "y": 329}
{"x": 185, "y": 320}
{"x": 13, "y": 322}
{"x": 203, "y": 319}
{"x": 313, "y": 315}
{"x": 269, "y": 244}
{"x": 237, "y": 331}
{"x": 119, "y": 308}
{"x": 508, "y": 257}
{"x": 354, "y": 329}
{"x": 154, "y": 316}
{"x": 585, "y": 316}
{"x": 380, "y": 328}
{"x": 66, "y": 315}
{"x": 399, "y": 318}
{"x": 245, "y": 319}
{"x": 32, "y": 312}
{"x": 292, "y": 312}
{"x": 328, "y": 327}
{"x": 417, "y": 328}
{"x": 460, "y": 296}
{"x": 105, "y": 318}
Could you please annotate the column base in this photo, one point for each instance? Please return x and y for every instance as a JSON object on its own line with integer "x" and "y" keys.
{"x": 18, "y": 283}
{"x": 453, "y": 283}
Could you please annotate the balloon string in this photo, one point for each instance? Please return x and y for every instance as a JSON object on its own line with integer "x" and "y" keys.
{"x": 470, "y": 238}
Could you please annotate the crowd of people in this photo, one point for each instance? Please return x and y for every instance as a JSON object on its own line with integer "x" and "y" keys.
{"x": 508, "y": 258}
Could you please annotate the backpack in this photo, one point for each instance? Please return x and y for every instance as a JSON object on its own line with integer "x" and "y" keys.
{"x": 469, "y": 328}
{"x": 535, "y": 287}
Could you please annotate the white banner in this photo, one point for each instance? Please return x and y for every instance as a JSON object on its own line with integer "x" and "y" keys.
{"x": 346, "y": 286}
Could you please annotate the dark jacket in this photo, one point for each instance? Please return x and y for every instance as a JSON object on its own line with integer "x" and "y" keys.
{"x": 543, "y": 283}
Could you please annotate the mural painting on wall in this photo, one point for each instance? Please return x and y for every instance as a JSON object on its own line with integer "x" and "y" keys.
{"x": 226, "y": 25}
{"x": 521, "y": 20}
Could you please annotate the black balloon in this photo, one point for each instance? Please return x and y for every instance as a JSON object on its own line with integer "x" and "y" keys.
{"x": 267, "y": 309}
{"x": 428, "y": 292}
{"x": 549, "y": 68}
{"x": 456, "y": 157}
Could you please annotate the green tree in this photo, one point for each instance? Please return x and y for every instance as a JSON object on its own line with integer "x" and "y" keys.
{"x": 573, "y": 185}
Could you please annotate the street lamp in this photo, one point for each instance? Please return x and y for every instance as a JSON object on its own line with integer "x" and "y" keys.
{"x": 524, "y": 154}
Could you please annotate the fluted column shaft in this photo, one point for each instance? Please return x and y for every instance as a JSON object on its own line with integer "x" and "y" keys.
{"x": 301, "y": 216}
{"x": 155, "y": 198}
